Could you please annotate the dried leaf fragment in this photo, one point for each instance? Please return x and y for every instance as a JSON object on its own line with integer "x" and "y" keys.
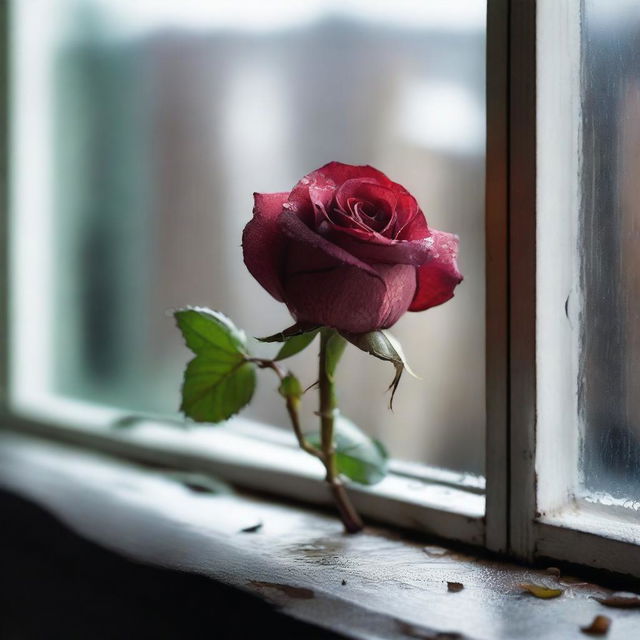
{"x": 454, "y": 587}
{"x": 422, "y": 633}
{"x": 293, "y": 592}
{"x": 540, "y": 591}
{"x": 598, "y": 627}
{"x": 621, "y": 600}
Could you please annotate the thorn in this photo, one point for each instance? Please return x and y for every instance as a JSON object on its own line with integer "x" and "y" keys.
{"x": 313, "y": 384}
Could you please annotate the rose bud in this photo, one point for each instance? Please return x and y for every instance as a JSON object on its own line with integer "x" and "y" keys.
{"x": 350, "y": 249}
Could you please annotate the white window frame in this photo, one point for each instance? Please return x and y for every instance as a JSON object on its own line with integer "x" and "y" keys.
{"x": 548, "y": 516}
{"x": 519, "y": 155}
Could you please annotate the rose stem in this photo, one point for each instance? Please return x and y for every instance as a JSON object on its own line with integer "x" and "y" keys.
{"x": 293, "y": 404}
{"x": 305, "y": 445}
{"x": 326, "y": 386}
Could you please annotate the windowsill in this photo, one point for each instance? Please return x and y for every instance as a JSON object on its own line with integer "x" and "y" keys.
{"x": 376, "y": 584}
{"x": 264, "y": 458}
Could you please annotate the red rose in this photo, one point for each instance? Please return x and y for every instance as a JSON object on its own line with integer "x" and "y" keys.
{"x": 349, "y": 249}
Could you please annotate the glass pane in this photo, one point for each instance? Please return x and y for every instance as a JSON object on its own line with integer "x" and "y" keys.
{"x": 610, "y": 230}
{"x": 164, "y": 118}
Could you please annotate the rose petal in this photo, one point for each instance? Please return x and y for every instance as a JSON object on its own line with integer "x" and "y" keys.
{"x": 309, "y": 251}
{"x": 411, "y": 223}
{"x": 399, "y": 279}
{"x": 326, "y": 285}
{"x": 310, "y": 195}
{"x": 263, "y": 243}
{"x": 366, "y": 190}
{"x": 322, "y": 198}
{"x": 339, "y": 172}
{"x": 317, "y": 189}
{"x": 345, "y": 222}
{"x": 374, "y": 248}
{"x": 347, "y": 298}
{"x": 439, "y": 277}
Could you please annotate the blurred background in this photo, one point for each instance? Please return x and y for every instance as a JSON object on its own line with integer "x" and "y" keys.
{"x": 142, "y": 130}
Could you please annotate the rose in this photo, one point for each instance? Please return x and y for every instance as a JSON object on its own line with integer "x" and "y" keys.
{"x": 350, "y": 249}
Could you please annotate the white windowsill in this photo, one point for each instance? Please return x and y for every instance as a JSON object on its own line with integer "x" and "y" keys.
{"x": 394, "y": 588}
{"x": 262, "y": 457}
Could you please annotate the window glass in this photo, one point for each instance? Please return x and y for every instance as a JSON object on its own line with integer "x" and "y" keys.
{"x": 153, "y": 124}
{"x": 610, "y": 230}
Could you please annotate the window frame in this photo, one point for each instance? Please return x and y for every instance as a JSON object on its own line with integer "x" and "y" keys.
{"x": 512, "y": 522}
{"x": 547, "y": 519}
{"x": 497, "y": 276}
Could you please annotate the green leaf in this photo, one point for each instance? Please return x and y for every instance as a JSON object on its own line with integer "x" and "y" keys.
{"x": 359, "y": 457}
{"x": 204, "y": 329}
{"x": 384, "y": 346}
{"x": 334, "y": 349}
{"x": 215, "y": 387}
{"x": 220, "y": 380}
{"x": 296, "y": 330}
{"x": 295, "y": 344}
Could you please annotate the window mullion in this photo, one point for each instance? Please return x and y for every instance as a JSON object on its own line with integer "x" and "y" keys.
{"x": 522, "y": 274}
{"x": 497, "y": 155}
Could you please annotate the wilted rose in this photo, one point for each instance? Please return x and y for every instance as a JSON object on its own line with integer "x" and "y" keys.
{"x": 350, "y": 249}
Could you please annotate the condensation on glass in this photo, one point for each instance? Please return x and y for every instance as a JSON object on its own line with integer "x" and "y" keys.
{"x": 609, "y": 240}
{"x": 166, "y": 117}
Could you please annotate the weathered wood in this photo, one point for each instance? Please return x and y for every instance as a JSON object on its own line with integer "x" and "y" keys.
{"x": 254, "y": 456}
{"x": 373, "y": 585}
